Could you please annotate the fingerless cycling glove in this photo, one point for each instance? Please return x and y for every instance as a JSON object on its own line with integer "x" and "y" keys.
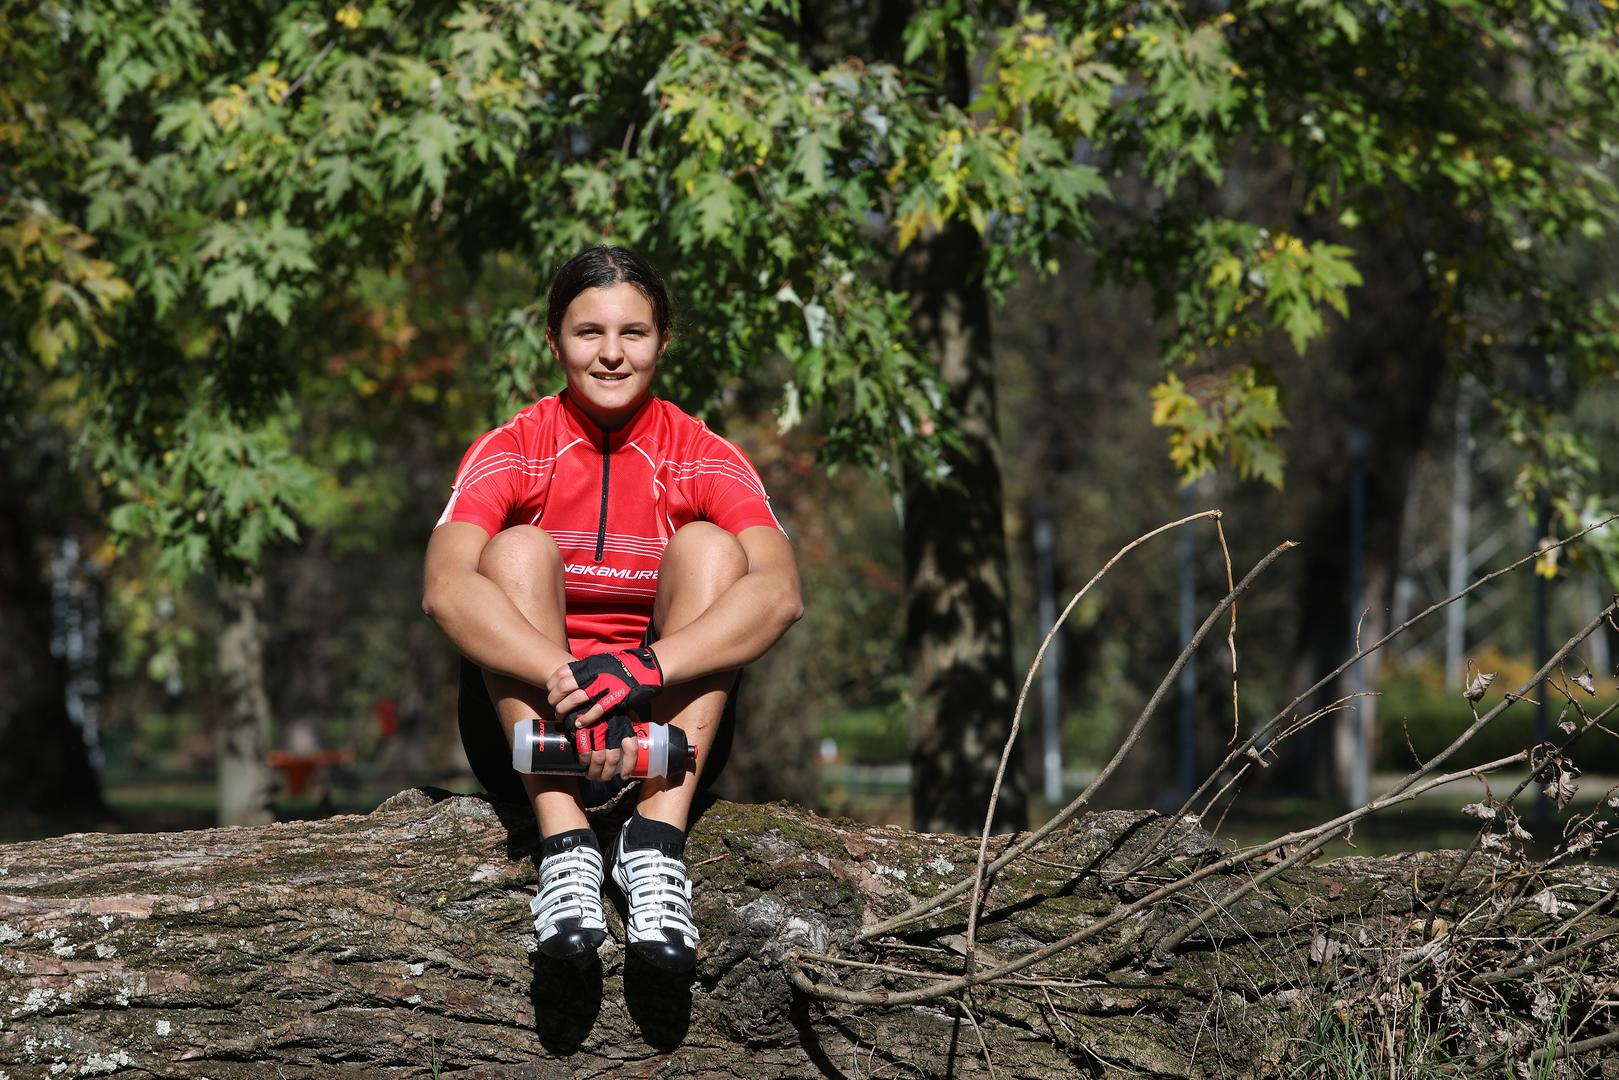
{"x": 618, "y": 680}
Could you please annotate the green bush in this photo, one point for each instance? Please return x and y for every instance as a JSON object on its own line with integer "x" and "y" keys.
{"x": 1416, "y": 703}
{"x": 869, "y": 735}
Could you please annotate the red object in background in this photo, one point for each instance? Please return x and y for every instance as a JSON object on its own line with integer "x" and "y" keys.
{"x": 296, "y": 767}
{"x": 387, "y": 713}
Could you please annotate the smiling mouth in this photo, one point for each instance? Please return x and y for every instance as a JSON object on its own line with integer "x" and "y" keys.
{"x": 608, "y": 376}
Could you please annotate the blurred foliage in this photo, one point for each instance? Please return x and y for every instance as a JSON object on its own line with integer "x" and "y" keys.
{"x": 869, "y": 735}
{"x": 242, "y": 166}
{"x": 843, "y": 660}
{"x": 268, "y": 267}
{"x": 1417, "y": 705}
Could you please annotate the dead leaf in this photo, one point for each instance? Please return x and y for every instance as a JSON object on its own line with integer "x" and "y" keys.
{"x": 1562, "y": 789}
{"x": 1587, "y": 683}
{"x": 1481, "y": 682}
{"x": 1323, "y": 948}
{"x": 1417, "y": 926}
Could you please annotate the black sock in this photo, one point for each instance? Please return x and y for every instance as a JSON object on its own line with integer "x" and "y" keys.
{"x": 566, "y": 841}
{"x": 642, "y": 833}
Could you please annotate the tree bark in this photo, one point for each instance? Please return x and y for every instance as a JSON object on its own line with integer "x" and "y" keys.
{"x": 399, "y": 944}
{"x": 45, "y": 769}
{"x": 958, "y": 632}
{"x": 245, "y": 782}
{"x": 958, "y": 628}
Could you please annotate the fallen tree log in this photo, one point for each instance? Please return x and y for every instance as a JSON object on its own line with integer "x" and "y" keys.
{"x": 399, "y": 944}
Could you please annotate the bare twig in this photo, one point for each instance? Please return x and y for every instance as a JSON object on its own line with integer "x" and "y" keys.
{"x": 1589, "y": 909}
{"x": 1121, "y": 913}
{"x": 888, "y": 969}
{"x": 1041, "y": 982}
{"x": 1023, "y": 695}
{"x": 1202, "y": 815}
{"x": 1518, "y": 971}
{"x": 1511, "y": 798}
{"x": 1322, "y": 834}
{"x": 1238, "y": 755}
{"x": 1057, "y": 1014}
{"x": 1575, "y": 1049}
{"x": 982, "y": 1042}
{"x": 926, "y": 907}
{"x": 1231, "y": 633}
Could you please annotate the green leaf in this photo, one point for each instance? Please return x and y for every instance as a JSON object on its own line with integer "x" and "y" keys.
{"x": 433, "y": 140}
{"x": 230, "y": 282}
{"x": 714, "y": 199}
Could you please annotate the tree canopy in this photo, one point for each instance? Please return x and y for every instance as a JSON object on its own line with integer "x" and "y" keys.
{"x": 198, "y": 198}
{"x": 193, "y": 185}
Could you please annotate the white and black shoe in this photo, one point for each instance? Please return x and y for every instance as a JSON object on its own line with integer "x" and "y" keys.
{"x": 648, "y": 867}
{"x": 568, "y": 914}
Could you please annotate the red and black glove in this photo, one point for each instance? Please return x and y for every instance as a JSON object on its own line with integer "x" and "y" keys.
{"x": 618, "y": 680}
{"x": 604, "y": 736}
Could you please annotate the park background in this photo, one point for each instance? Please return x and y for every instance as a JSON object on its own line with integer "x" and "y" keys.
{"x": 1072, "y": 271}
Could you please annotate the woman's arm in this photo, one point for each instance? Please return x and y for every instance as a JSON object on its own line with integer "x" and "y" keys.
{"x": 746, "y": 620}
{"x": 735, "y": 630}
{"x": 476, "y": 615}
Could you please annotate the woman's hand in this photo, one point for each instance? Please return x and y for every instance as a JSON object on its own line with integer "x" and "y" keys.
{"x": 566, "y": 696}
{"x": 606, "y": 764}
{"x": 596, "y": 685}
{"x": 563, "y": 693}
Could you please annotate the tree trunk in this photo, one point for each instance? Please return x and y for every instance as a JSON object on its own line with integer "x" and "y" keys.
{"x": 245, "y": 781}
{"x": 958, "y": 630}
{"x": 399, "y": 944}
{"x": 1391, "y": 369}
{"x": 45, "y": 770}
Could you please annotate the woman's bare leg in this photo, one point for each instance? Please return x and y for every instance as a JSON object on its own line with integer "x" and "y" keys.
{"x": 700, "y": 563}
{"x": 527, "y": 565}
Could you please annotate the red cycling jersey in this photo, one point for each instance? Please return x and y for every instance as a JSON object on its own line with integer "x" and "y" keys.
{"x": 610, "y": 499}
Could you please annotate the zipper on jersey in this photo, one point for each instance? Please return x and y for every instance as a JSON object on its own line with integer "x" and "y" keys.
{"x": 607, "y": 458}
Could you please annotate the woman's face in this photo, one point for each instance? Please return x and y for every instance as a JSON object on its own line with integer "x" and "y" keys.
{"x": 609, "y": 346}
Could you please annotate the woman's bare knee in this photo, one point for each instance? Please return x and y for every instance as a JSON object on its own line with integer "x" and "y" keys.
{"x": 702, "y": 554}
{"x": 701, "y": 562}
{"x": 710, "y": 547}
{"x": 523, "y": 557}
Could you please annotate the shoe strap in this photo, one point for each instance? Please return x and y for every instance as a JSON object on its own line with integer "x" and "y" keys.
{"x": 659, "y": 892}
{"x": 570, "y": 888}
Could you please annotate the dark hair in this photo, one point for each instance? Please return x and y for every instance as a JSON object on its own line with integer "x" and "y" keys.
{"x": 599, "y": 267}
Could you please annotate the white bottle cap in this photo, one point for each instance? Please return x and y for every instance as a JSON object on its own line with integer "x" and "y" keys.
{"x": 657, "y": 750}
{"x": 523, "y": 745}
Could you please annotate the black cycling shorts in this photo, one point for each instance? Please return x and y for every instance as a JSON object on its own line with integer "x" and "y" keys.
{"x": 490, "y": 755}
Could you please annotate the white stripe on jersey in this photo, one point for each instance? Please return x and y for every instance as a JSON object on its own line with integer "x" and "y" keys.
{"x": 651, "y": 547}
{"x": 499, "y": 463}
{"x": 713, "y": 466}
{"x": 657, "y": 488}
{"x": 576, "y": 585}
{"x": 471, "y": 460}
